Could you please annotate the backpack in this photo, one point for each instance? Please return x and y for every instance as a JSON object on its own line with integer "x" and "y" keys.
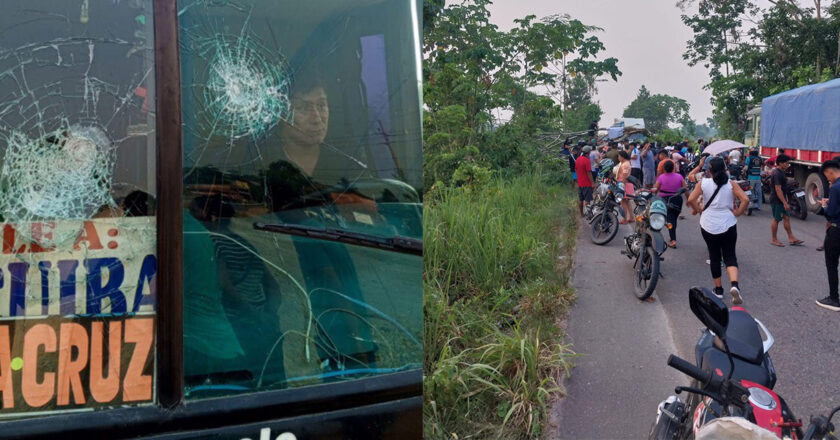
{"x": 754, "y": 168}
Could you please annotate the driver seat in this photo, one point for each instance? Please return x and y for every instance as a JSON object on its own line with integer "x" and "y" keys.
{"x": 743, "y": 337}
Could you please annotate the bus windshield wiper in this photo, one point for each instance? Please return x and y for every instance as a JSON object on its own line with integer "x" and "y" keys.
{"x": 397, "y": 243}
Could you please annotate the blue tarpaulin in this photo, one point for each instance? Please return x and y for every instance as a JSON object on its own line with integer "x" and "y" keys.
{"x": 615, "y": 132}
{"x": 806, "y": 118}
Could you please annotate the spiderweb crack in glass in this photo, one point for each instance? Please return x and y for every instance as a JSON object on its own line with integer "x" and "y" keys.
{"x": 68, "y": 177}
{"x": 67, "y": 106}
{"x": 247, "y": 91}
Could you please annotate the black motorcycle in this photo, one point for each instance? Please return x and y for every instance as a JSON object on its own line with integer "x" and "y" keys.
{"x": 603, "y": 212}
{"x": 795, "y": 195}
{"x": 646, "y": 244}
{"x": 733, "y": 375}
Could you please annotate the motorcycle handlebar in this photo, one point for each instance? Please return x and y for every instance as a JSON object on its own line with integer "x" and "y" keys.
{"x": 689, "y": 369}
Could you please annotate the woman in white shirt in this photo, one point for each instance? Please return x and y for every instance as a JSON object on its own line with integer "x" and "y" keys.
{"x": 718, "y": 223}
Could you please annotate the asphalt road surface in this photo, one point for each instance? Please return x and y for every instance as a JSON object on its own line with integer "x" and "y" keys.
{"x": 621, "y": 376}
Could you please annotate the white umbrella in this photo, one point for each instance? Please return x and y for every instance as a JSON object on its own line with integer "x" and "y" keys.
{"x": 721, "y": 146}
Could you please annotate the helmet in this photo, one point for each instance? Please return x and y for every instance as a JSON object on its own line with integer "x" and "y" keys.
{"x": 605, "y": 165}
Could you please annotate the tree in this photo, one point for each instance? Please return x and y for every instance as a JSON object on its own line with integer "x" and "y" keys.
{"x": 471, "y": 69}
{"x": 581, "y": 110}
{"x": 658, "y": 110}
{"x": 754, "y": 52}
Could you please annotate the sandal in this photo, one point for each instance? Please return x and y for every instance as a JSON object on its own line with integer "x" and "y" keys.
{"x": 796, "y": 243}
{"x": 623, "y": 222}
{"x": 672, "y": 245}
{"x": 777, "y": 244}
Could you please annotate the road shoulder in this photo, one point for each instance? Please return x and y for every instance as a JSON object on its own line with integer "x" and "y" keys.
{"x": 617, "y": 336}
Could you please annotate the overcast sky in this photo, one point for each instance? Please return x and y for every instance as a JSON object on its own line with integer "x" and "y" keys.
{"x": 647, "y": 37}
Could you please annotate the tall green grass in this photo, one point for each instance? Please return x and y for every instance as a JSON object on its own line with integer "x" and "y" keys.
{"x": 496, "y": 275}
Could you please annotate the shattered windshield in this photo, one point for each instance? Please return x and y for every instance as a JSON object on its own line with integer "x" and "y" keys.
{"x": 77, "y": 210}
{"x": 302, "y": 163}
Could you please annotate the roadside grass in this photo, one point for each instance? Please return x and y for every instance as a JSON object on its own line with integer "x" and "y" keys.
{"x": 497, "y": 267}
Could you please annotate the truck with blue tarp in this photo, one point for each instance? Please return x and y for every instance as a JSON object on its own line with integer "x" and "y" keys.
{"x": 805, "y": 123}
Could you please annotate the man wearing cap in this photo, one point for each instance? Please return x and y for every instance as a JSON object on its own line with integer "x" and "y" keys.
{"x": 583, "y": 167}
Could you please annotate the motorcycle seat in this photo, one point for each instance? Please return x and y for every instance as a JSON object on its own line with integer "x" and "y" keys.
{"x": 714, "y": 359}
{"x": 744, "y": 338}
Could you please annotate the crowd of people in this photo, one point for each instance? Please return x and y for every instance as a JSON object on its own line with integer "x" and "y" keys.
{"x": 666, "y": 169}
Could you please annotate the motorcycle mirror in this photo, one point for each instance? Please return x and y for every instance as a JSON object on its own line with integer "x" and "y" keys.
{"x": 710, "y": 310}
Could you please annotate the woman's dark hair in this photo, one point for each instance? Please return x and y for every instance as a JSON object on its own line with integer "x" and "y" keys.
{"x": 624, "y": 154}
{"x": 668, "y": 166}
{"x": 718, "y": 169}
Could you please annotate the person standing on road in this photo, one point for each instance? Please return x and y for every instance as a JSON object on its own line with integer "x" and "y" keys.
{"x": 566, "y": 154}
{"x": 612, "y": 152}
{"x": 718, "y": 223}
{"x": 735, "y": 156}
{"x": 662, "y": 157}
{"x": 635, "y": 162}
{"x": 621, "y": 176}
{"x": 779, "y": 202}
{"x": 648, "y": 166}
{"x": 753, "y": 165}
{"x": 679, "y": 160}
{"x": 668, "y": 184}
{"x": 594, "y": 160}
{"x": 583, "y": 168}
{"x": 831, "y": 244}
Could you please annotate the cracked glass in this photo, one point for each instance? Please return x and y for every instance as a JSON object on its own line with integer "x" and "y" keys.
{"x": 302, "y": 169}
{"x": 77, "y": 206}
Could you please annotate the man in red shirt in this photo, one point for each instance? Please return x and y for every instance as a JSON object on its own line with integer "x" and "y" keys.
{"x": 583, "y": 169}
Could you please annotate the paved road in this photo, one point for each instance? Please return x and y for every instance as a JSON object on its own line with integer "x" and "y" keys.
{"x": 614, "y": 390}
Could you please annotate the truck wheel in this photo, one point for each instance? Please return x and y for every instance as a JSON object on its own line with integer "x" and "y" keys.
{"x": 816, "y": 187}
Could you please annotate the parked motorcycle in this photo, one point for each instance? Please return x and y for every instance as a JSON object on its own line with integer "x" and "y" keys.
{"x": 604, "y": 209}
{"x": 795, "y": 196}
{"x": 646, "y": 244}
{"x": 691, "y": 166}
{"x": 733, "y": 376}
{"x": 745, "y": 185}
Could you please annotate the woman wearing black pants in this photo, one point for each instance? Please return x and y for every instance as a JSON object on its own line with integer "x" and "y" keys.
{"x": 668, "y": 185}
{"x": 718, "y": 223}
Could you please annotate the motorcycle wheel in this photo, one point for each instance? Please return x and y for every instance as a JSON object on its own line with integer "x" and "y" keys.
{"x": 647, "y": 273}
{"x": 604, "y": 228}
{"x": 801, "y": 211}
{"x": 665, "y": 428}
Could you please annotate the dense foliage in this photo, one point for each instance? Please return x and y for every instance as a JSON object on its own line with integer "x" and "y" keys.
{"x": 753, "y": 52}
{"x": 496, "y": 271}
{"x": 474, "y": 73}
